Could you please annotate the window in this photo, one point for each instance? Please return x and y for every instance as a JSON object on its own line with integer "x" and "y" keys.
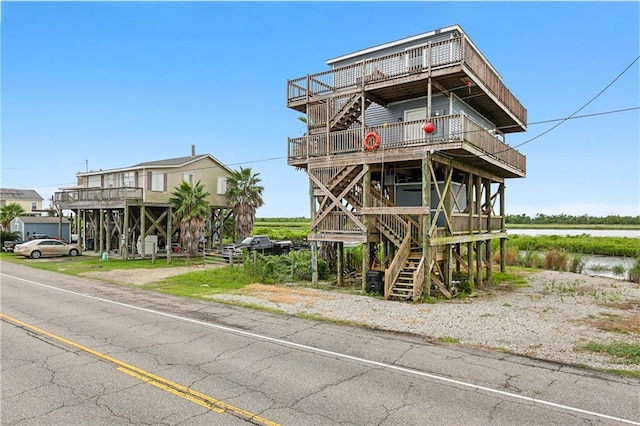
{"x": 188, "y": 177}
{"x": 128, "y": 179}
{"x": 94, "y": 181}
{"x": 110, "y": 180}
{"x": 158, "y": 181}
{"x": 34, "y": 206}
{"x": 222, "y": 185}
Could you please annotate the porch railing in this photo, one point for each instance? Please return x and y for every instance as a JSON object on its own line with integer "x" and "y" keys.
{"x": 98, "y": 194}
{"x": 449, "y": 128}
{"x": 456, "y": 51}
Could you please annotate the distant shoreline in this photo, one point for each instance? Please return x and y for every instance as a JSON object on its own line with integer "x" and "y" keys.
{"x": 570, "y": 226}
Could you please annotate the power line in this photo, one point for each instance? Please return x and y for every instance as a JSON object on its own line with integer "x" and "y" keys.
{"x": 583, "y": 106}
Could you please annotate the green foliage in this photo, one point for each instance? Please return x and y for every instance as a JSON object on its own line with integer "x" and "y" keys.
{"x": 9, "y": 236}
{"x": 8, "y": 212}
{"x": 530, "y": 259}
{"x": 584, "y": 244}
{"x": 191, "y": 209}
{"x": 618, "y": 269}
{"x": 244, "y": 196}
{"x": 556, "y": 259}
{"x": 626, "y": 353}
{"x": 576, "y": 263}
{"x": 634, "y": 271}
{"x": 201, "y": 283}
{"x": 563, "y": 219}
{"x": 295, "y": 266}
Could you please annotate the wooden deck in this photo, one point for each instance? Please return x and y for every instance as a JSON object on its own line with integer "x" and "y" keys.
{"x": 456, "y": 135}
{"x": 453, "y": 65}
{"x": 89, "y": 198}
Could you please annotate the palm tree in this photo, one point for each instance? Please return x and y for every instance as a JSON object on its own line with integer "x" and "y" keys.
{"x": 8, "y": 212}
{"x": 244, "y": 196}
{"x": 192, "y": 208}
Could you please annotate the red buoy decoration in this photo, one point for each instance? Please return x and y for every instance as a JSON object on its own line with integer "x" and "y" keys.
{"x": 428, "y": 127}
{"x": 371, "y": 141}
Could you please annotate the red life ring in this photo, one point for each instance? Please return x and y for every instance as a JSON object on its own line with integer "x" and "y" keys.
{"x": 376, "y": 141}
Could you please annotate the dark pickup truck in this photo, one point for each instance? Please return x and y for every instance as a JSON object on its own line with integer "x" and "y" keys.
{"x": 260, "y": 243}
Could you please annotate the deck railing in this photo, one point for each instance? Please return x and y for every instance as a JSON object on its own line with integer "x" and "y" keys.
{"x": 423, "y": 59}
{"x": 98, "y": 194}
{"x": 449, "y": 128}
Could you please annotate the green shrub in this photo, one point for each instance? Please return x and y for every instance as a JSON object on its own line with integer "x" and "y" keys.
{"x": 618, "y": 270}
{"x": 556, "y": 259}
{"x": 530, "y": 259}
{"x": 634, "y": 272}
{"x": 9, "y": 236}
{"x": 576, "y": 264}
{"x": 295, "y": 266}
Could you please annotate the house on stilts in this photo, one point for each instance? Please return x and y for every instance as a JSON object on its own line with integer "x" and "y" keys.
{"x": 117, "y": 209}
{"x": 406, "y": 153}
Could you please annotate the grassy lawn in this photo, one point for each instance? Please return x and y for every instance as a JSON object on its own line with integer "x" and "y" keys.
{"x": 199, "y": 284}
{"x": 90, "y": 263}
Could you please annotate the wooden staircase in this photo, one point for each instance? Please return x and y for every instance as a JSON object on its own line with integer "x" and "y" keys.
{"x": 349, "y": 113}
{"x": 406, "y": 280}
{"x": 403, "y": 288}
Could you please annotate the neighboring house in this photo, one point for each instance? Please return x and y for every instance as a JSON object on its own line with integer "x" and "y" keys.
{"x": 54, "y": 227}
{"x": 28, "y": 199}
{"x": 405, "y": 151}
{"x": 138, "y": 196}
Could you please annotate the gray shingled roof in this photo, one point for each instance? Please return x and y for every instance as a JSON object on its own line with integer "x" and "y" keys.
{"x": 170, "y": 161}
{"x": 19, "y": 194}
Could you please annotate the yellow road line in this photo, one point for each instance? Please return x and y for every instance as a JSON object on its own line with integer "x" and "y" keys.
{"x": 160, "y": 382}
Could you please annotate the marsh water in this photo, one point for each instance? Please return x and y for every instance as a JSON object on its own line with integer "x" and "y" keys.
{"x": 630, "y": 233}
{"x": 606, "y": 266}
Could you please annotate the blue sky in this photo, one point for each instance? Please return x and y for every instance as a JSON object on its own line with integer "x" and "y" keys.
{"x": 117, "y": 83}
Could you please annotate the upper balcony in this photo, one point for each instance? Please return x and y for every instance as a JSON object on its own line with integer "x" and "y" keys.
{"x": 454, "y": 65}
{"x": 82, "y": 198}
{"x": 456, "y": 136}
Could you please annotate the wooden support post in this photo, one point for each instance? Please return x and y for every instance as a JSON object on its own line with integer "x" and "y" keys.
{"x": 487, "y": 243}
{"x": 313, "y": 246}
{"x": 107, "y": 225}
{"x": 366, "y": 247}
{"x": 503, "y": 228}
{"x": 79, "y": 233}
{"x": 479, "y": 263}
{"x": 340, "y": 263}
{"x": 471, "y": 205}
{"x": 169, "y": 234}
{"x": 124, "y": 236}
{"x": 101, "y": 222}
{"x": 448, "y": 213}
{"x": 143, "y": 230}
{"x": 429, "y": 89}
{"x": 425, "y": 223}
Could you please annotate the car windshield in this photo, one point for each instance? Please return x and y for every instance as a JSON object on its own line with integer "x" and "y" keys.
{"x": 247, "y": 240}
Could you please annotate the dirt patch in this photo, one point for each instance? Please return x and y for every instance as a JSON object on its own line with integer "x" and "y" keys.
{"x": 144, "y": 276}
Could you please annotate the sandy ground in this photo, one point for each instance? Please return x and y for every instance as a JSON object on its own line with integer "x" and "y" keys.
{"x": 552, "y": 318}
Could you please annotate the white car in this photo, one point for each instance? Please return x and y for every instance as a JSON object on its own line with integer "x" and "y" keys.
{"x": 46, "y": 248}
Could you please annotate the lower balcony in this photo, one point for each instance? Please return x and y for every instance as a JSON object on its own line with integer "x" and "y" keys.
{"x": 455, "y": 135}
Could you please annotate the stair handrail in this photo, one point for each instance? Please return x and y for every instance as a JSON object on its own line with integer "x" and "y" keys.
{"x": 392, "y": 273}
{"x": 418, "y": 280}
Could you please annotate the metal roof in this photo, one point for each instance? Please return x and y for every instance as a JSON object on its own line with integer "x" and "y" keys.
{"x": 169, "y": 163}
{"x": 19, "y": 194}
{"x": 41, "y": 219}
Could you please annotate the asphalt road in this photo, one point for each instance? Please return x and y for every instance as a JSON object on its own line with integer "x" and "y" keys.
{"x": 78, "y": 352}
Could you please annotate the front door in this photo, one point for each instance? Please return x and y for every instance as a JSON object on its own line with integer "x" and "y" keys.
{"x": 413, "y": 131}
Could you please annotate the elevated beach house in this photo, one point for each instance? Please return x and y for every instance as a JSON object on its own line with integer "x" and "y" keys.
{"x": 406, "y": 153}
{"x": 119, "y": 208}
